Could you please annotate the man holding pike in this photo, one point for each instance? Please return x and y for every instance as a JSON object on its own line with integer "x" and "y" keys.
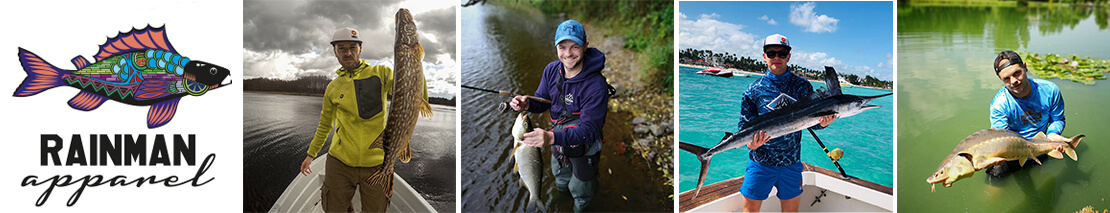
{"x": 774, "y": 162}
{"x": 580, "y": 99}
{"x": 1024, "y": 106}
{"x": 353, "y": 103}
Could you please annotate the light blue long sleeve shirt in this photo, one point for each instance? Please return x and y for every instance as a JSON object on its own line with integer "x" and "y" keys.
{"x": 1041, "y": 111}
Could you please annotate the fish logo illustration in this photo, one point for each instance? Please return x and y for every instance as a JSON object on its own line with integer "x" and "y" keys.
{"x": 139, "y": 68}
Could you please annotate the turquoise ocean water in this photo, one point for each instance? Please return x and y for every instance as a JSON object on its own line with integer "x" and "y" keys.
{"x": 710, "y": 106}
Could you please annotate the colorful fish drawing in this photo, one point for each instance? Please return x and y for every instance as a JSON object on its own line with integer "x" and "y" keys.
{"x": 139, "y": 68}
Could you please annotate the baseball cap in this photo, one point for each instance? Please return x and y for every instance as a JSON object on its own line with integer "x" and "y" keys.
{"x": 1011, "y": 57}
{"x": 776, "y": 40}
{"x": 345, "y": 34}
{"x": 571, "y": 30}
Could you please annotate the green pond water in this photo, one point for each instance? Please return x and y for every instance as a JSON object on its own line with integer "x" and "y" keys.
{"x": 945, "y": 83}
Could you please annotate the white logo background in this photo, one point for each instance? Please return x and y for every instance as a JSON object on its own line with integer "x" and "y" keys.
{"x": 209, "y": 31}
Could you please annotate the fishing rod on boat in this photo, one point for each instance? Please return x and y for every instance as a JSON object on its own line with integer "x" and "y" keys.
{"x": 835, "y": 161}
{"x": 504, "y": 106}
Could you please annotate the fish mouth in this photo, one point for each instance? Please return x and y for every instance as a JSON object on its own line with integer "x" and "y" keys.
{"x": 934, "y": 180}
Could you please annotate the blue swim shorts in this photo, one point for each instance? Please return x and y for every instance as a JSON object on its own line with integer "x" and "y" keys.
{"x": 759, "y": 178}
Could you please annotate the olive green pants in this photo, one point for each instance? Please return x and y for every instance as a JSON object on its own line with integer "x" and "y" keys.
{"x": 340, "y": 182}
{"x": 566, "y": 180}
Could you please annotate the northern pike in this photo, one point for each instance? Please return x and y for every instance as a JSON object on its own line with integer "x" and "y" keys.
{"x": 989, "y": 147}
{"x": 792, "y": 118}
{"x": 529, "y": 161}
{"x": 139, "y": 68}
{"x": 409, "y": 98}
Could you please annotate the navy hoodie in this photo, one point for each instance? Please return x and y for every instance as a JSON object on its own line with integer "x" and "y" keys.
{"x": 589, "y": 95}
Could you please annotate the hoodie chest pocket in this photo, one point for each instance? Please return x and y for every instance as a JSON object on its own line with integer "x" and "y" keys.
{"x": 368, "y": 96}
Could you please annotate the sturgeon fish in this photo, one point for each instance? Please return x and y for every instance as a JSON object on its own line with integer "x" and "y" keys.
{"x": 989, "y": 147}
{"x": 139, "y": 67}
{"x": 529, "y": 161}
{"x": 408, "y": 101}
{"x": 792, "y": 118}
{"x": 1003, "y": 145}
{"x": 957, "y": 165}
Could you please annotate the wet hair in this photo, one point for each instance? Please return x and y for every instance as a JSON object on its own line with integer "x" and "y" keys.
{"x": 1011, "y": 57}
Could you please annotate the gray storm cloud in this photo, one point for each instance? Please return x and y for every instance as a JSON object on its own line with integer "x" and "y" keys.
{"x": 290, "y": 38}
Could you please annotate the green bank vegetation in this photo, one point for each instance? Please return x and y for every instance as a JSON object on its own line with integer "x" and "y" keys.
{"x": 646, "y": 25}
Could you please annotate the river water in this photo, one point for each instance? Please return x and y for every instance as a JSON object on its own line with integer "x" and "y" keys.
{"x": 710, "y": 106}
{"x": 278, "y": 128}
{"x": 945, "y": 86}
{"x": 506, "y": 48}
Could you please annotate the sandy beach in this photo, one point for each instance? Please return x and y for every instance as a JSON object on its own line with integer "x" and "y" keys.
{"x": 762, "y": 73}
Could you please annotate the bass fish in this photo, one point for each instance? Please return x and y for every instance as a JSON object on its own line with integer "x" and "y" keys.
{"x": 139, "y": 68}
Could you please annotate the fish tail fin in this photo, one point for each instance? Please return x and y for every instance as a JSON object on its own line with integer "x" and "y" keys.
{"x": 1070, "y": 150}
{"x": 697, "y": 150}
{"x": 1075, "y": 140}
{"x": 425, "y": 109}
{"x": 41, "y": 75}
{"x": 535, "y": 201}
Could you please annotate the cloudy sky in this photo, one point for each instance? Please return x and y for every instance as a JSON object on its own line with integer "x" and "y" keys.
{"x": 288, "y": 39}
{"x": 853, "y": 37}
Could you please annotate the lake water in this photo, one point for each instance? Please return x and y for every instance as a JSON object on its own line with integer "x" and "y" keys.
{"x": 710, "y": 106}
{"x": 945, "y": 86}
{"x": 507, "y": 48}
{"x": 278, "y": 128}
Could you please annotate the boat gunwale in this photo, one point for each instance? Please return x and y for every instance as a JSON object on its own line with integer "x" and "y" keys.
{"x": 723, "y": 189}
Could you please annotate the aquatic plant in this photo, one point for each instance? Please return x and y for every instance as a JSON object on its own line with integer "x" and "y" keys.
{"x": 1071, "y": 67}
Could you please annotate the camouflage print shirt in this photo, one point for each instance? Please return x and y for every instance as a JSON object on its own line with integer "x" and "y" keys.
{"x": 766, "y": 94}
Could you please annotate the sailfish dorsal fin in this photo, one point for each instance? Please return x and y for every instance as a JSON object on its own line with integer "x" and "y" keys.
{"x": 832, "y": 83}
{"x": 144, "y": 39}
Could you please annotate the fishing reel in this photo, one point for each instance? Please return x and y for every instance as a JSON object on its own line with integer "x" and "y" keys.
{"x": 503, "y": 107}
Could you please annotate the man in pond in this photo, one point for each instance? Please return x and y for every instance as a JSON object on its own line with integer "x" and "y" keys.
{"x": 353, "y": 104}
{"x": 1023, "y": 105}
{"x": 580, "y": 100}
{"x": 774, "y": 162}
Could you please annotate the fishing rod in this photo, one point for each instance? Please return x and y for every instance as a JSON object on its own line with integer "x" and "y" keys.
{"x": 835, "y": 162}
{"x": 504, "y": 106}
{"x": 508, "y": 94}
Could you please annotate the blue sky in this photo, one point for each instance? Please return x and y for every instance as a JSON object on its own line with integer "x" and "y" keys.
{"x": 853, "y": 37}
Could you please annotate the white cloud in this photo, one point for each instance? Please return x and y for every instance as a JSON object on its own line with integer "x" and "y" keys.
{"x": 709, "y": 33}
{"x": 769, "y": 20}
{"x": 803, "y": 16}
{"x": 889, "y": 63}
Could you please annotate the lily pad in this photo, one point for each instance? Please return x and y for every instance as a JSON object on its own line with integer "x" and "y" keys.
{"x": 1072, "y": 67}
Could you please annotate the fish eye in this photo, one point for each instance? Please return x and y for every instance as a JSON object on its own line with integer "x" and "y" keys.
{"x": 212, "y": 71}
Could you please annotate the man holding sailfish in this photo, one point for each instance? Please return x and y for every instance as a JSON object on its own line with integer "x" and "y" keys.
{"x": 774, "y": 108}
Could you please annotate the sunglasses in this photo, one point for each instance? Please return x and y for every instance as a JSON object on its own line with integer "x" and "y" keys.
{"x": 778, "y": 54}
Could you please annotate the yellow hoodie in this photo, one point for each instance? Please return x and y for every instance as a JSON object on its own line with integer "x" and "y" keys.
{"x": 354, "y": 134}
